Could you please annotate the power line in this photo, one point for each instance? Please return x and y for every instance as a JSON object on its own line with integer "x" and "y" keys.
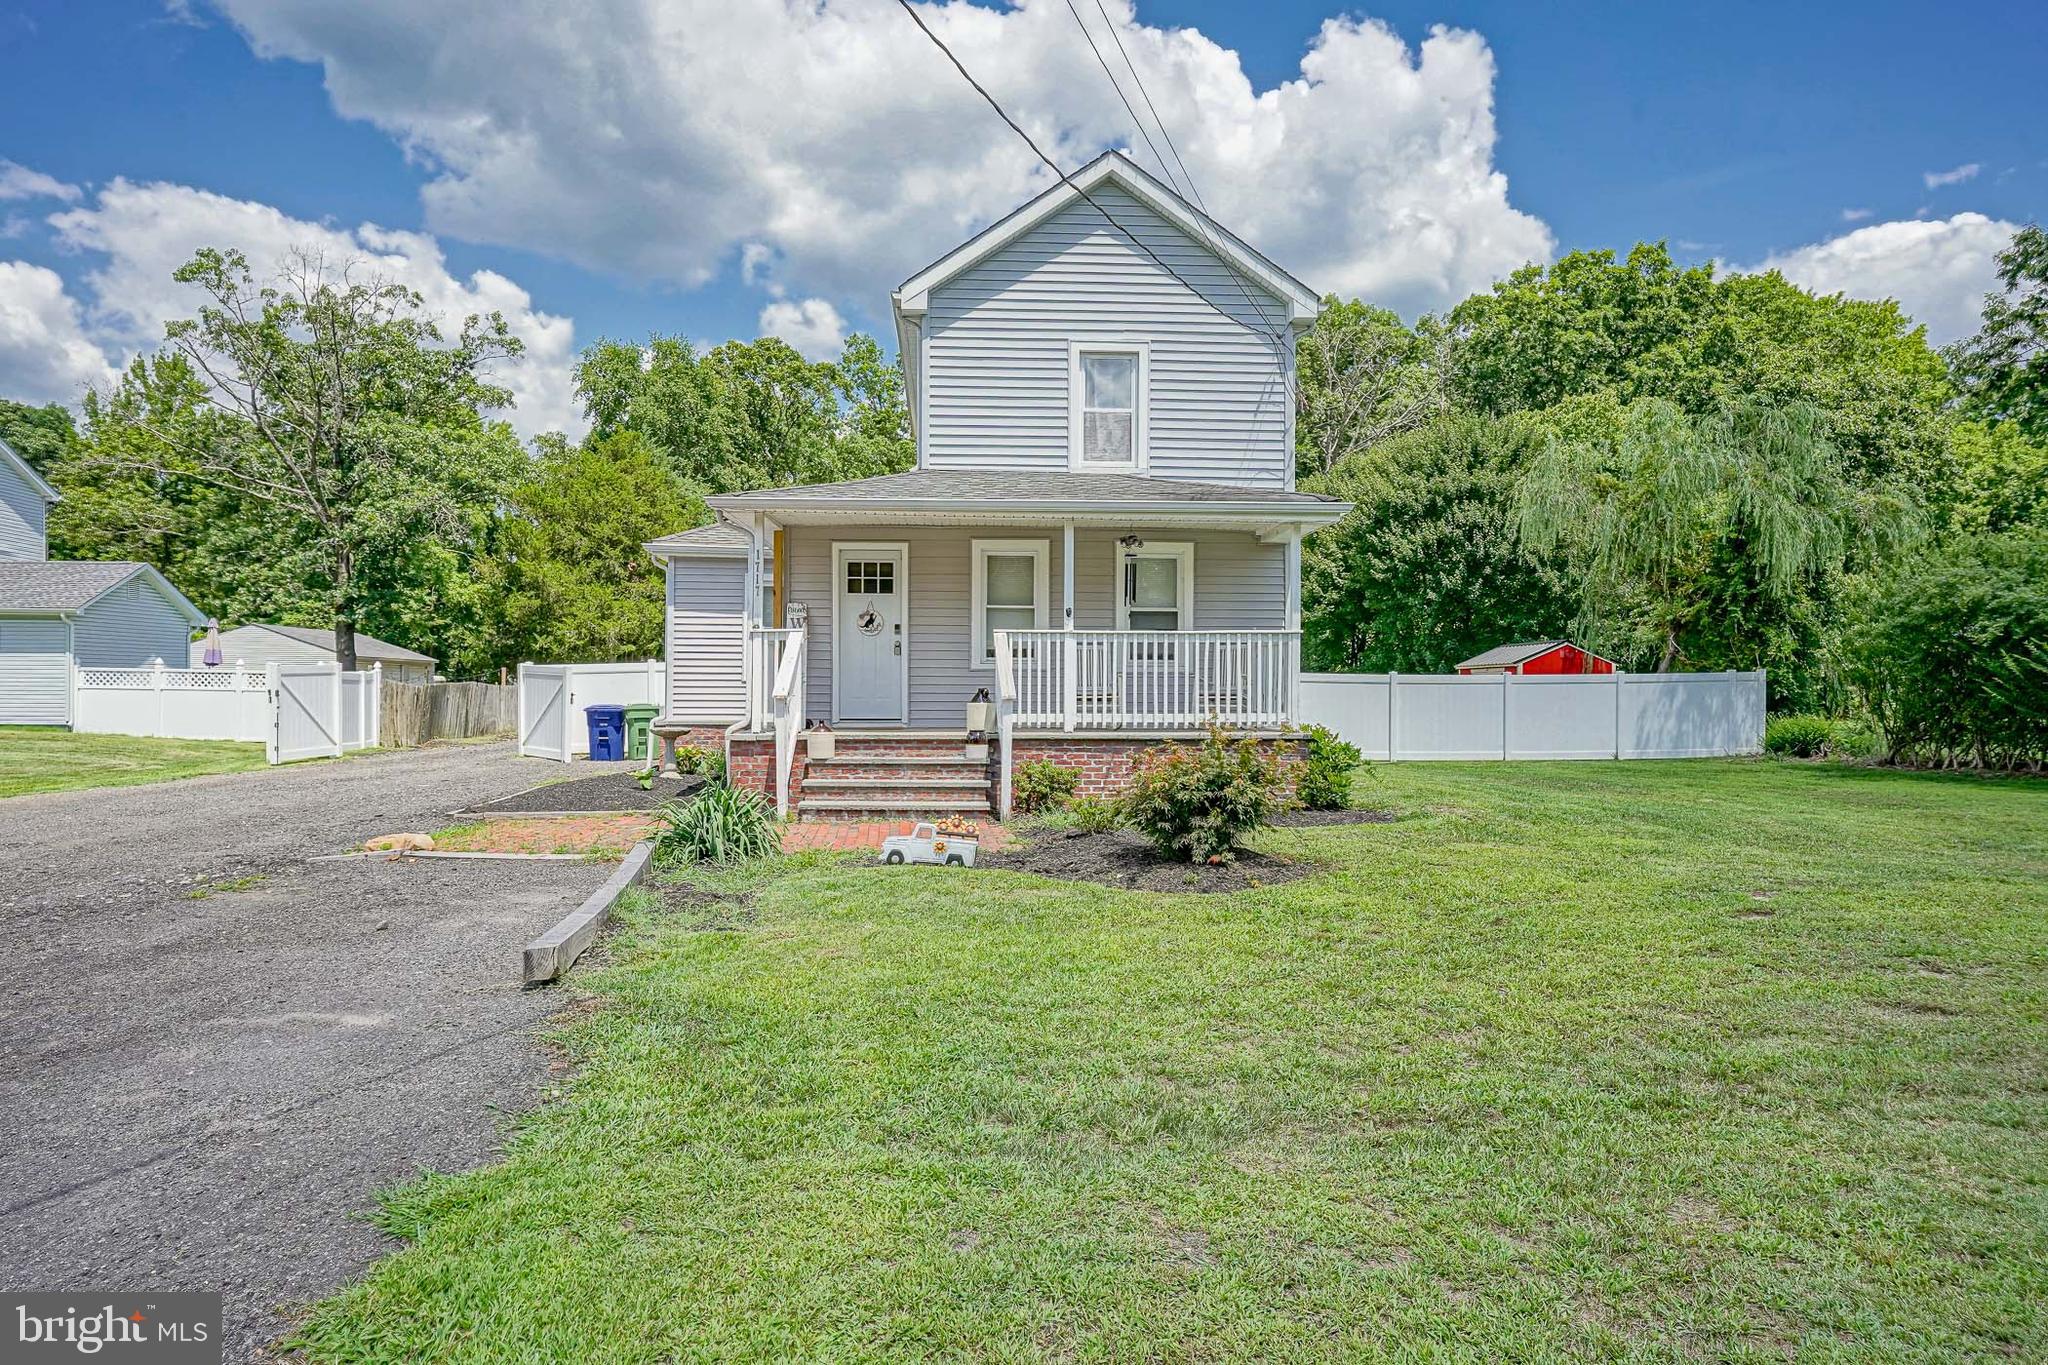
{"x": 1054, "y": 166}
{"x": 1117, "y": 86}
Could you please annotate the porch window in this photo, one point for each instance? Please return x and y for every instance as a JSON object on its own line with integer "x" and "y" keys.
{"x": 1009, "y": 592}
{"x": 1108, "y": 397}
{"x": 1158, "y": 586}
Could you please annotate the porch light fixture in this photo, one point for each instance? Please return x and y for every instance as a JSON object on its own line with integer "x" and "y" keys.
{"x": 1130, "y": 542}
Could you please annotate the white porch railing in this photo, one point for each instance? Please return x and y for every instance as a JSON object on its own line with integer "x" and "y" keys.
{"x": 764, "y": 657}
{"x": 1149, "y": 679}
{"x": 786, "y": 707}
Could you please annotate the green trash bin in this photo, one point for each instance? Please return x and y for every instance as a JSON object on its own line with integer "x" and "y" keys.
{"x": 639, "y": 720}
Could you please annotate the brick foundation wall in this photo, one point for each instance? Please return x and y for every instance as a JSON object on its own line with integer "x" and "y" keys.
{"x": 750, "y": 766}
{"x": 1106, "y": 765}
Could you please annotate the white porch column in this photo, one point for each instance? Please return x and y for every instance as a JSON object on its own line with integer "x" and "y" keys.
{"x": 1294, "y": 624}
{"x": 1069, "y": 684}
{"x": 750, "y": 618}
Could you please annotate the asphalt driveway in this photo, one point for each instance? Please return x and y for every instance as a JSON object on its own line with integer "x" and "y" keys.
{"x": 213, "y": 1053}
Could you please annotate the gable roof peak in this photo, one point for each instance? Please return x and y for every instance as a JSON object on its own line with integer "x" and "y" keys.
{"x": 913, "y": 296}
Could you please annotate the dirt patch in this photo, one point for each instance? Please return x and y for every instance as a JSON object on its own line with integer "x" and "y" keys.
{"x": 707, "y": 911}
{"x": 617, "y": 791}
{"x": 1310, "y": 819}
{"x": 1123, "y": 859}
{"x": 599, "y": 834}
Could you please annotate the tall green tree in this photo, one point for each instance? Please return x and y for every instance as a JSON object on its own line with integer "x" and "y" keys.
{"x": 570, "y": 579}
{"x": 1427, "y": 569}
{"x": 1647, "y": 328}
{"x": 2003, "y": 369}
{"x": 335, "y": 406}
{"x": 1668, "y": 522}
{"x": 750, "y": 414}
{"x": 1362, "y": 376}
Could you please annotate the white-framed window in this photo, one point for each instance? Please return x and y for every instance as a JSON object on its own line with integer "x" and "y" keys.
{"x": 1009, "y": 592}
{"x": 1155, "y": 586}
{"x": 1108, "y": 383}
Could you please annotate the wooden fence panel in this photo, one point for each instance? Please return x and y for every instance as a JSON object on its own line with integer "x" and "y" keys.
{"x": 417, "y": 712}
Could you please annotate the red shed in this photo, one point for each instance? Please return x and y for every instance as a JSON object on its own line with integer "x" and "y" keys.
{"x": 1541, "y": 656}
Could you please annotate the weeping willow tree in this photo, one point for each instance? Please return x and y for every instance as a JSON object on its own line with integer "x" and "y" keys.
{"x": 1665, "y": 520}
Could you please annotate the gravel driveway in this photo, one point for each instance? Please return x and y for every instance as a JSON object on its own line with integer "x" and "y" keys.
{"x": 205, "y": 1092}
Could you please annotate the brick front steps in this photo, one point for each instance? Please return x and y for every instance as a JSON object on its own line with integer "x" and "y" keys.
{"x": 882, "y": 775}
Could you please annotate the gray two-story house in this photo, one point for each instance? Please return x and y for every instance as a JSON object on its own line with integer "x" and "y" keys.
{"x": 1101, "y": 533}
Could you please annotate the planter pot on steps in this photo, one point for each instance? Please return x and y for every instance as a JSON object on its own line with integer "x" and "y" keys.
{"x": 976, "y": 753}
{"x": 820, "y": 745}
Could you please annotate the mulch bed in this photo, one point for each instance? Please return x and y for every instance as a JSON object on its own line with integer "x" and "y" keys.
{"x": 605, "y": 792}
{"x": 1122, "y": 859}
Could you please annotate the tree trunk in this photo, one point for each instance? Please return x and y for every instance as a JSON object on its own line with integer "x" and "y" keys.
{"x": 345, "y": 643}
{"x": 1670, "y": 654}
{"x": 344, "y": 609}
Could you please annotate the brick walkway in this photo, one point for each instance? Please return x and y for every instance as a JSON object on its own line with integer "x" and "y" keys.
{"x": 850, "y": 834}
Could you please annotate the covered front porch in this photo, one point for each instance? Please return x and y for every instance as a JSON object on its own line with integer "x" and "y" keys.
{"x": 1145, "y": 616}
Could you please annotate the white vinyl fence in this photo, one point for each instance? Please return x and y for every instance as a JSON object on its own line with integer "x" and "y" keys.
{"x": 295, "y": 710}
{"x": 552, "y": 698}
{"x": 1503, "y": 716}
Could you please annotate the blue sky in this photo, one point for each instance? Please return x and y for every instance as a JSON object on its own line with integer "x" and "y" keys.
{"x": 1742, "y": 132}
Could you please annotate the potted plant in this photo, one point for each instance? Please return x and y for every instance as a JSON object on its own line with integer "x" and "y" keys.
{"x": 819, "y": 742}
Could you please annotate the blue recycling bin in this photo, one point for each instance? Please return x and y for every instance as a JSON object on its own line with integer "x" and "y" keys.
{"x": 607, "y": 731}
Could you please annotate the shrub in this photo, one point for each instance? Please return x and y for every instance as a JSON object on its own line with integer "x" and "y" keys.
{"x": 1323, "y": 780}
{"x": 1798, "y": 736}
{"x": 1086, "y": 815}
{"x": 1042, "y": 784}
{"x": 1950, "y": 655}
{"x": 722, "y": 825}
{"x": 706, "y": 763}
{"x": 1196, "y": 804}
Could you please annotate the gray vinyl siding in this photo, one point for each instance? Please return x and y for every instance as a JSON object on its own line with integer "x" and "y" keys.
{"x": 130, "y": 624}
{"x": 22, "y": 512}
{"x": 998, "y": 337}
{"x": 35, "y": 672}
{"x": 1240, "y": 584}
{"x": 707, "y": 640}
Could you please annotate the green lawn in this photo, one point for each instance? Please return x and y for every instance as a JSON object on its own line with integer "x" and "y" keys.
{"x": 45, "y": 759}
{"x": 1682, "y": 1061}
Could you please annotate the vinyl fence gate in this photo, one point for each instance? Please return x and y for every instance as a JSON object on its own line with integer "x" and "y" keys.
{"x": 552, "y": 698}
{"x": 318, "y": 711}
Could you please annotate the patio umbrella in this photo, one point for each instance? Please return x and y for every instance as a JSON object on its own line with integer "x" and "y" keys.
{"x": 211, "y": 658}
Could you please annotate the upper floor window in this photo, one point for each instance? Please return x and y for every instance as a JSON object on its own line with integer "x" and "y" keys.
{"x": 1108, "y": 400}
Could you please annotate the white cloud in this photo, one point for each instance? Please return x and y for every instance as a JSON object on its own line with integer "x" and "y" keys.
{"x": 813, "y": 326}
{"x": 1938, "y": 269}
{"x": 142, "y": 232}
{"x": 1936, "y": 179}
{"x": 19, "y": 182}
{"x": 675, "y": 133}
{"x": 1855, "y": 215}
{"x": 45, "y": 355}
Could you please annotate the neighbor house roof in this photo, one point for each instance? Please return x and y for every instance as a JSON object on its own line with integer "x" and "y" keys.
{"x": 1506, "y": 656}
{"x": 988, "y": 494}
{"x": 367, "y": 646}
{"x": 8, "y": 455}
{"x": 719, "y": 539}
{"x": 62, "y": 587}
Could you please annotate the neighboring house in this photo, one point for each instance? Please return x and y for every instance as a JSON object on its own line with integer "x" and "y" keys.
{"x": 1539, "y": 656}
{"x": 82, "y": 613}
{"x": 1101, "y": 532}
{"x": 258, "y": 645}
{"x": 94, "y": 614}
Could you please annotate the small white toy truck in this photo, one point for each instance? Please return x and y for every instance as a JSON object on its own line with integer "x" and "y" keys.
{"x": 925, "y": 844}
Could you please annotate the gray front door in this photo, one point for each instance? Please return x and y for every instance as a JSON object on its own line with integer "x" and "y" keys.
{"x": 869, "y": 634}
